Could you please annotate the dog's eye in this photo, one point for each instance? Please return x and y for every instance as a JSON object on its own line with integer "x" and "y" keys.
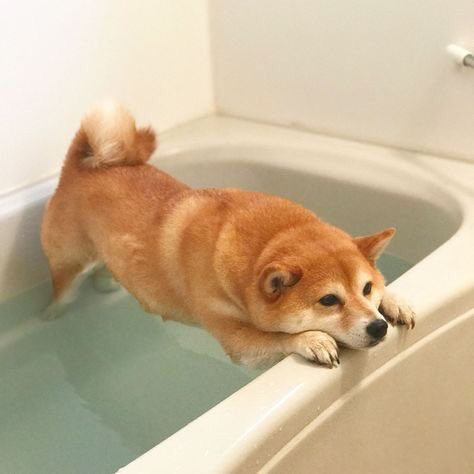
{"x": 367, "y": 288}
{"x": 329, "y": 300}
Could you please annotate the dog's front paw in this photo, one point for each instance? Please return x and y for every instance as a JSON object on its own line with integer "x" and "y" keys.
{"x": 316, "y": 346}
{"x": 397, "y": 311}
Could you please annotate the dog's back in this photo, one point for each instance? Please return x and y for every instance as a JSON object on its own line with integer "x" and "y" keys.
{"x": 167, "y": 244}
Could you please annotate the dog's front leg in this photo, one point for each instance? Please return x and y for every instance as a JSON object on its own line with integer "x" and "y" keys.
{"x": 396, "y": 311}
{"x": 247, "y": 345}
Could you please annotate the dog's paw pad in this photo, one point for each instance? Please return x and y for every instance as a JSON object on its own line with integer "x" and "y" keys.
{"x": 318, "y": 347}
{"x": 397, "y": 311}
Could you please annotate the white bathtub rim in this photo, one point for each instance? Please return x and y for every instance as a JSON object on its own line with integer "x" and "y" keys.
{"x": 220, "y": 131}
{"x": 14, "y": 203}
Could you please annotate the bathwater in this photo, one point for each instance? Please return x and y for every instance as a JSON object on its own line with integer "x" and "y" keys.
{"x": 93, "y": 390}
{"x": 392, "y": 267}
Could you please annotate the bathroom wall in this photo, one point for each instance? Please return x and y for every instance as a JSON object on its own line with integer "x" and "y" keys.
{"x": 58, "y": 57}
{"x": 371, "y": 70}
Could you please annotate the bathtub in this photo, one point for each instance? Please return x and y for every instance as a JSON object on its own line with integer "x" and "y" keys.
{"x": 403, "y": 406}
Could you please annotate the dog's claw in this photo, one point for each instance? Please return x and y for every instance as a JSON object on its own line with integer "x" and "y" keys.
{"x": 396, "y": 311}
{"x": 316, "y": 346}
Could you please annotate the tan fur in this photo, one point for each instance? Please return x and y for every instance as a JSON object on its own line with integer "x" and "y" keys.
{"x": 249, "y": 267}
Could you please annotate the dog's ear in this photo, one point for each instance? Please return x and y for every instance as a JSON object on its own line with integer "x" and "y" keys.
{"x": 372, "y": 246}
{"x": 276, "y": 278}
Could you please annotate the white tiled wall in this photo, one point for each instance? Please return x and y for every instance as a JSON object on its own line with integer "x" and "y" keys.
{"x": 57, "y": 57}
{"x": 366, "y": 69}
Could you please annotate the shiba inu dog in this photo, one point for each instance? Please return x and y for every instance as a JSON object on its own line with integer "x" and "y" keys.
{"x": 262, "y": 274}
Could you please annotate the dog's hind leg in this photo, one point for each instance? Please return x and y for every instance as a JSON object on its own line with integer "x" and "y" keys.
{"x": 66, "y": 278}
{"x": 70, "y": 254}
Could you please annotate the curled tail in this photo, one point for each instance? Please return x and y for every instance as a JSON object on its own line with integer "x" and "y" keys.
{"x": 108, "y": 137}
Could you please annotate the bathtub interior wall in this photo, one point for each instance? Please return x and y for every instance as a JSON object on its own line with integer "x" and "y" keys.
{"x": 362, "y": 69}
{"x": 424, "y": 216}
{"x": 58, "y": 58}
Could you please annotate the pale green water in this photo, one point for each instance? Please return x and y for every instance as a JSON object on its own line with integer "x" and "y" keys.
{"x": 91, "y": 391}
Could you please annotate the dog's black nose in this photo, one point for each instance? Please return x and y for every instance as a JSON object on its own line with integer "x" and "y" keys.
{"x": 377, "y": 328}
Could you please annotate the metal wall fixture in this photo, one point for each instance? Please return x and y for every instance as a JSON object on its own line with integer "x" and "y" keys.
{"x": 461, "y": 55}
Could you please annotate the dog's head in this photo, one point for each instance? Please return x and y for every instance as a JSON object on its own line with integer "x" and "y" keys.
{"x": 329, "y": 283}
